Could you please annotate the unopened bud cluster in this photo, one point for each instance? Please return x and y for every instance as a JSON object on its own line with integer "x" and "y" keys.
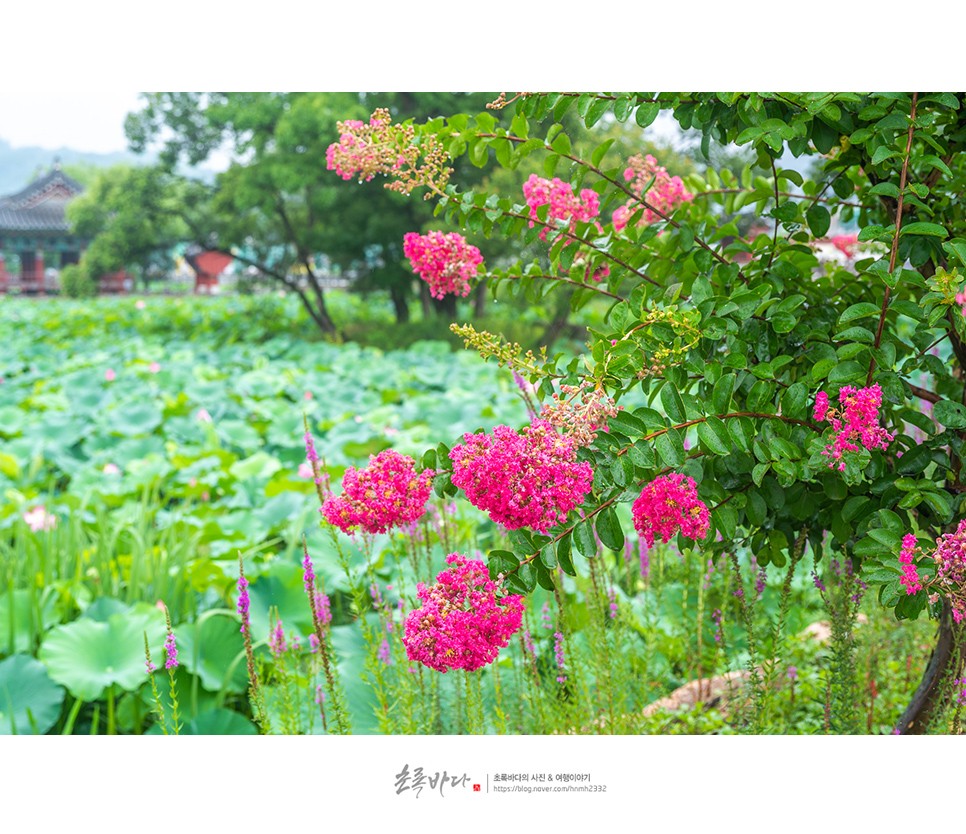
{"x": 380, "y": 147}
{"x": 579, "y": 411}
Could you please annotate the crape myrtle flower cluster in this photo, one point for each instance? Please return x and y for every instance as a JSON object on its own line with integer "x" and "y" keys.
{"x": 663, "y": 192}
{"x": 667, "y": 505}
{"x": 463, "y": 621}
{"x": 563, "y": 203}
{"x": 950, "y": 579}
{"x": 522, "y": 479}
{"x": 855, "y": 422}
{"x": 386, "y": 494}
{"x": 444, "y": 261}
{"x": 580, "y": 411}
{"x": 380, "y": 147}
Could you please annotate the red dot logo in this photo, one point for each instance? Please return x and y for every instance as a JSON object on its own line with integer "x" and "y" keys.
{"x": 476, "y": 787}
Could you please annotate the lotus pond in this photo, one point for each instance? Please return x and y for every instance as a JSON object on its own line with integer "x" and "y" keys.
{"x": 147, "y": 445}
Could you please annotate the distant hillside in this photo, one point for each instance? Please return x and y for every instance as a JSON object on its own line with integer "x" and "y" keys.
{"x": 18, "y": 166}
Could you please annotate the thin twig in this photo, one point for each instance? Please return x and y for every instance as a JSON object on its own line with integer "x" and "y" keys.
{"x": 895, "y": 240}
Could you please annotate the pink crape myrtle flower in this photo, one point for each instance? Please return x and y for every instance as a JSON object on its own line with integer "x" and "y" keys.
{"x": 846, "y": 244}
{"x": 655, "y": 186}
{"x": 950, "y": 579}
{"x": 950, "y": 557}
{"x": 154, "y": 367}
{"x": 387, "y": 493}
{"x": 109, "y": 375}
{"x": 526, "y": 479}
{"x": 463, "y": 621}
{"x": 563, "y": 203}
{"x": 910, "y": 575}
{"x": 855, "y": 422}
{"x": 39, "y": 519}
{"x": 667, "y": 505}
{"x": 444, "y": 261}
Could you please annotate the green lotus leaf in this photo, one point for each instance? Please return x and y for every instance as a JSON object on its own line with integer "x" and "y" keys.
{"x": 132, "y": 419}
{"x": 213, "y": 649}
{"x": 281, "y": 587}
{"x": 88, "y": 656}
{"x": 30, "y": 702}
{"x": 219, "y": 722}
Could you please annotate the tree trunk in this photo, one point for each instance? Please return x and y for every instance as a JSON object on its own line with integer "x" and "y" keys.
{"x": 399, "y": 303}
{"x": 559, "y": 322}
{"x": 479, "y": 300}
{"x": 931, "y": 697}
{"x": 426, "y": 300}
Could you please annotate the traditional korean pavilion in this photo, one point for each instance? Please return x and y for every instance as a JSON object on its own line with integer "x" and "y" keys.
{"x": 33, "y": 226}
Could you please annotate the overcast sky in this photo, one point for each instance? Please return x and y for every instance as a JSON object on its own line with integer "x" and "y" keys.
{"x": 90, "y": 121}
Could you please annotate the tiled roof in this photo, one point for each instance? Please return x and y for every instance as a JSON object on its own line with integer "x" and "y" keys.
{"x": 40, "y": 206}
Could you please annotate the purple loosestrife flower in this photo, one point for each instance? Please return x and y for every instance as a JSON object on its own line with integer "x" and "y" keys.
{"x": 322, "y": 608}
{"x": 170, "y": 652}
{"x": 612, "y": 596}
{"x": 310, "y": 454}
{"x": 792, "y": 673}
{"x": 385, "y": 653}
{"x": 244, "y": 604}
{"x": 760, "y": 580}
{"x": 558, "y": 655}
{"x": 645, "y": 559}
{"x": 545, "y": 615}
{"x": 276, "y": 640}
{"x": 716, "y": 616}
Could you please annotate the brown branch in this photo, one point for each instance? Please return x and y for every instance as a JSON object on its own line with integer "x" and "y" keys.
{"x": 895, "y": 241}
{"x": 560, "y": 278}
{"x": 790, "y": 195}
{"x": 923, "y": 394}
{"x": 730, "y": 416}
{"x": 619, "y": 185}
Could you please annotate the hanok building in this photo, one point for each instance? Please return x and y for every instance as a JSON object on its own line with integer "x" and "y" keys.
{"x": 34, "y": 229}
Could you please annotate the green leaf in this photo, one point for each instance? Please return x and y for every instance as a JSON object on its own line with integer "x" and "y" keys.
{"x": 30, "y": 701}
{"x": 859, "y": 311}
{"x": 87, "y": 656}
{"x": 721, "y": 395}
{"x": 794, "y": 400}
{"x": 673, "y": 404}
{"x": 921, "y": 228}
{"x": 584, "y": 539}
{"x": 647, "y": 113}
{"x": 564, "y": 556}
{"x": 609, "y": 529}
{"x": 670, "y": 448}
{"x": 212, "y": 648}
{"x": 818, "y": 219}
{"x": 951, "y": 414}
{"x": 714, "y": 436}
{"x": 725, "y": 520}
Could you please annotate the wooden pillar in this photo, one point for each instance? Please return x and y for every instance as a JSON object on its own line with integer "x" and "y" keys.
{"x": 39, "y": 271}
{"x": 4, "y": 276}
{"x": 26, "y": 271}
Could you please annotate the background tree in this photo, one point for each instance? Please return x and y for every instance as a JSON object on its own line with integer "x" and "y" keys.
{"x": 134, "y": 216}
{"x": 277, "y": 209}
